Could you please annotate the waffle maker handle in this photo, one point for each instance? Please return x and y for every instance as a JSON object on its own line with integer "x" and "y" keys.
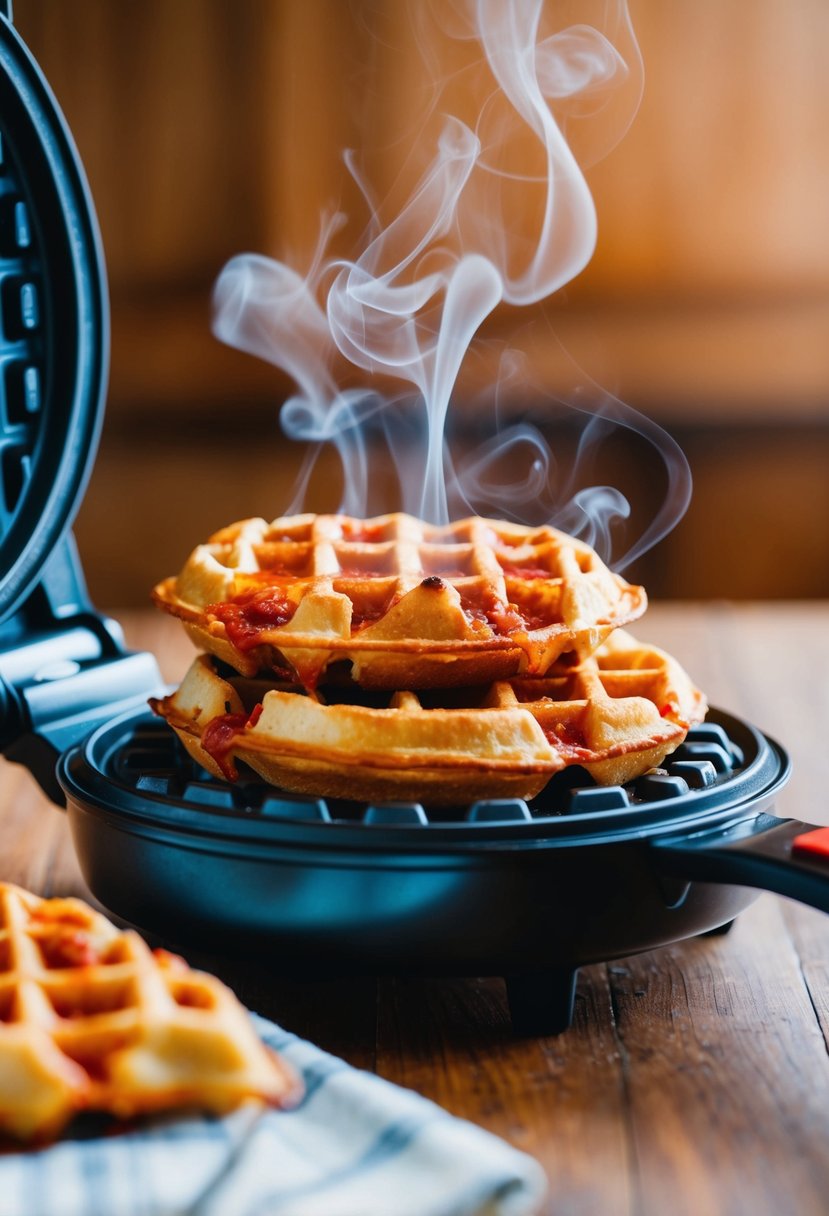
{"x": 786, "y": 856}
{"x": 64, "y": 670}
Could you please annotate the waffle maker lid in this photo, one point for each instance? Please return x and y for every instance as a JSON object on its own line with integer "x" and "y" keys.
{"x": 54, "y": 324}
{"x": 62, "y": 665}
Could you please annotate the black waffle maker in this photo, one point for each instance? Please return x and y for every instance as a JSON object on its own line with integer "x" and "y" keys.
{"x": 527, "y": 891}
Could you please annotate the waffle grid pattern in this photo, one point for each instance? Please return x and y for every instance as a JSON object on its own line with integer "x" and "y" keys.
{"x": 90, "y": 1017}
{"x": 614, "y": 714}
{"x": 151, "y": 762}
{"x": 343, "y": 587}
{"x": 21, "y": 355}
{"x": 376, "y": 561}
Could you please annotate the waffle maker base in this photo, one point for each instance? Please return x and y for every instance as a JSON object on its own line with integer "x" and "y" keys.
{"x": 527, "y": 891}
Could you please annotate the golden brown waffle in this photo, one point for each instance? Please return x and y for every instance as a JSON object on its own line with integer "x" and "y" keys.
{"x": 90, "y": 1017}
{"x": 616, "y": 713}
{"x": 408, "y": 605}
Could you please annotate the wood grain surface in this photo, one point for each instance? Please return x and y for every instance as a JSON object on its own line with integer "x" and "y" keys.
{"x": 695, "y": 1078}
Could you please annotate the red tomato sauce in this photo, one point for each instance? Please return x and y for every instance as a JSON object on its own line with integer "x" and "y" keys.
{"x": 525, "y": 572}
{"x": 568, "y": 740}
{"x": 366, "y": 534}
{"x": 220, "y": 736}
{"x": 247, "y": 616}
{"x": 69, "y": 948}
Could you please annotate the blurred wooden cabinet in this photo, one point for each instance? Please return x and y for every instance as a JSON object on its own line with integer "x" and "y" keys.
{"x": 209, "y": 127}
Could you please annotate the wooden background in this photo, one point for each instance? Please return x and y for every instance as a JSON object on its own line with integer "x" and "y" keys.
{"x": 209, "y": 127}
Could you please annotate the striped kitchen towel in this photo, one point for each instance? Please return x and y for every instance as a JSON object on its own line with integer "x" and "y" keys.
{"x": 355, "y": 1146}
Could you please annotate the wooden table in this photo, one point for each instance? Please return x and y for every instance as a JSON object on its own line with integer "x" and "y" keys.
{"x": 695, "y": 1079}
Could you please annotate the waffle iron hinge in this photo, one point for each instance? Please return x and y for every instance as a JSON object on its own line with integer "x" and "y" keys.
{"x": 63, "y": 671}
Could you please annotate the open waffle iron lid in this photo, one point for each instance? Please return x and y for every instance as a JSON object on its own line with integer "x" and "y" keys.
{"x": 62, "y": 665}
{"x": 54, "y": 324}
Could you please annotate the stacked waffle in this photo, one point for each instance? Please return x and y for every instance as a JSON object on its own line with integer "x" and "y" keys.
{"x": 392, "y": 659}
{"x": 91, "y": 1018}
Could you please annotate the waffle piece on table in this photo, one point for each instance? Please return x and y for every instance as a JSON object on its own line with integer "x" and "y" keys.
{"x": 91, "y": 1018}
{"x": 617, "y": 714}
{"x": 409, "y": 605}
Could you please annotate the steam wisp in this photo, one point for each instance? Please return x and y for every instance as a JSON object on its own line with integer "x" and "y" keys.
{"x": 406, "y": 308}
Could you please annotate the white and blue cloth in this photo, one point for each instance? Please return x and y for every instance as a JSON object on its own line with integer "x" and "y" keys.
{"x": 355, "y": 1146}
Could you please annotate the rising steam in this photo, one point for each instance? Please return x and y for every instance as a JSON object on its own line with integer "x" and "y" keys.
{"x": 404, "y": 311}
